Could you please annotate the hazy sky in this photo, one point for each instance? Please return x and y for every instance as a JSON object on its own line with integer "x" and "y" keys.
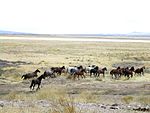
{"x": 75, "y": 16}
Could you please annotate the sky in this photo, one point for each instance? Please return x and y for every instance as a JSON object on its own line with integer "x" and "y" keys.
{"x": 75, "y": 16}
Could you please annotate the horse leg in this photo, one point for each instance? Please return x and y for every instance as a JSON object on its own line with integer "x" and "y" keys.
{"x": 33, "y": 86}
{"x": 59, "y": 72}
{"x": 115, "y": 76}
{"x": 74, "y": 76}
{"x": 112, "y": 76}
{"x": 134, "y": 73}
{"x": 143, "y": 73}
{"x": 96, "y": 74}
{"x": 90, "y": 74}
{"x": 54, "y": 75}
{"x": 103, "y": 75}
{"x": 128, "y": 76}
{"x": 78, "y": 77}
{"x": 83, "y": 76}
{"x": 38, "y": 86}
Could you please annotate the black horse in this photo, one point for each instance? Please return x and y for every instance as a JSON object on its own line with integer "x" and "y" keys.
{"x": 94, "y": 71}
{"x": 37, "y": 81}
{"x": 30, "y": 75}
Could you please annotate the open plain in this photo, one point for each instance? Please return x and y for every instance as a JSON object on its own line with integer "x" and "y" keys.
{"x": 64, "y": 95}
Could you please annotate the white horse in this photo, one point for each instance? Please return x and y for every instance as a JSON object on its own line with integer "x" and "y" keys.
{"x": 69, "y": 70}
{"x": 88, "y": 69}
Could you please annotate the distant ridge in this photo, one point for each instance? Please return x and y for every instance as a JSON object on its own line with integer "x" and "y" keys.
{"x": 2, "y": 32}
{"x": 132, "y": 34}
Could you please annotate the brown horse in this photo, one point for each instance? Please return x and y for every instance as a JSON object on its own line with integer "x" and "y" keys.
{"x": 30, "y": 75}
{"x": 115, "y": 72}
{"x": 140, "y": 71}
{"x": 79, "y": 73}
{"x": 58, "y": 70}
{"x": 102, "y": 71}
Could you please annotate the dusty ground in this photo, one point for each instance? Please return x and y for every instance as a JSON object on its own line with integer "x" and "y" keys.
{"x": 86, "y": 95}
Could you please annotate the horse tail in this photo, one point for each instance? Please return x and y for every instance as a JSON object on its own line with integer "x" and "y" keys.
{"x": 23, "y": 76}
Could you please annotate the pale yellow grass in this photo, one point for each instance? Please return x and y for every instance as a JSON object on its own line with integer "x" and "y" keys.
{"x": 45, "y": 54}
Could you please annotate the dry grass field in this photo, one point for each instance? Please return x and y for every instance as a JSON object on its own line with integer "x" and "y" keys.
{"x": 62, "y": 95}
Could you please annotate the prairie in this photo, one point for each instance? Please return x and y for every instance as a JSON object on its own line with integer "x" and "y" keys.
{"x": 61, "y": 94}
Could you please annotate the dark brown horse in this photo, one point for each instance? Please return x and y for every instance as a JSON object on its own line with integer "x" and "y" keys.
{"x": 129, "y": 72}
{"x": 30, "y": 75}
{"x": 123, "y": 70}
{"x": 58, "y": 70}
{"x": 37, "y": 81}
{"x": 102, "y": 71}
{"x": 79, "y": 73}
{"x": 140, "y": 71}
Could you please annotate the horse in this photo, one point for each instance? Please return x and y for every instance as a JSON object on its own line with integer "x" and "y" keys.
{"x": 123, "y": 70}
{"x": 102, "y": 71}
{"x": 49, "y": 73}
{"x": 37, "y": 81}
{"x": 94, "y": 71}
{"x": 72, "y": 70}
{"x": 30, "y": 75}
{"x": 115, "y": 72}
{"x": 129, "y": 72}
{"x": 79, "y": 73}
{"x": 140, "y": 70}
{"x": 89, "y": 68}
{"x": 58, "y": 70}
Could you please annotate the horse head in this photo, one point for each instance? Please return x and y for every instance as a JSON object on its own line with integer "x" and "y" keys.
{"x": 118, "y": 67}
{"x": 63, "y": 67}
{"x": 143, "y": 67}
{"x": 105, "y": 69}
{"x": 37, "y": 71}
{"x": 132, "y": 68}
{"x": 96, "y": 68}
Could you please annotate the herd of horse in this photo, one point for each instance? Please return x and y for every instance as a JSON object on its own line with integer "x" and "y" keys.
{"x": 81, "y": 72}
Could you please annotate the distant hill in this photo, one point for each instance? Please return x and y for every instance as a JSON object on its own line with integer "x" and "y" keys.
{"x": 139, "y": 34}
{"x": 2, "y": 32}
{"x": 132, "y": 34}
